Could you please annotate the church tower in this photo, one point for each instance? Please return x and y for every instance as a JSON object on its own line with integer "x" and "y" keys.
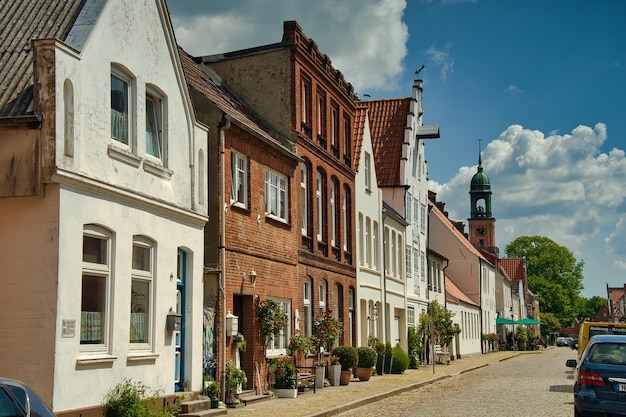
{"x": 482, "y": 230}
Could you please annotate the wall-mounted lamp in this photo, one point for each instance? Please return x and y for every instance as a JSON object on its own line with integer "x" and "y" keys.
{"x": 374, "y": 313}
{"x": 173, "y": 320}
{"x": 251, "y": 275}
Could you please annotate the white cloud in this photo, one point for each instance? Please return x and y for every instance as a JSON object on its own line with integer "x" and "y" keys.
{"x": 442, "y": 59}
{"x": 559, "y": 186}
{"x": 365, "y": 39}
{"x": 513, "y": 89}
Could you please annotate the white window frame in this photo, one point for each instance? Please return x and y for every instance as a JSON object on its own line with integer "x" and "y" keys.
{"x": 319, "y": 183}
{"x": 304, "y": 169}
{"x": 124, "y": 127}
{"x": 276, "y": 196}
{"x": 102, "y": 271}
{"x": 333, "y": 214}
{"x": 361, "y": 240}
{"x": 410, "y": 316}
{"x": 238, "y": 179}
{"x": 308, "y": 306}
{"x": 368, "y": 242}
{"x": 155, "y": 111}
{"x": 344, "y": 215}
{"x": 278, "y": 345}
{"x": 408, "y": 204}
{"x": 367, "y": 172}
{"x": 142, "y": 275}
{"x": 408, "y": 251}
{"x": 375, "y": 244}
{"x": 323, "y": 295}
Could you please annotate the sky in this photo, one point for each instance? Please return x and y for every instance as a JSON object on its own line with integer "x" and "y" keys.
{"x": 541, "y": 83}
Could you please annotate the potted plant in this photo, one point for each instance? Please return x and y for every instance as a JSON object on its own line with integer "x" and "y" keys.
{"x": 211, "y": 390}
{"x": 300, "y": 346}
{"x": 380, "y": 359}
{"x": 240, "y": 342}
{"x": 367, "y": 359}
{"x": 348, "y": 358}
{"x": 334, "y": 370}
{"x": 284, "y": 377}
{"x": 388, "y": 358}
{"x": 327, "y": 330}
{"x": 235, "y": 377}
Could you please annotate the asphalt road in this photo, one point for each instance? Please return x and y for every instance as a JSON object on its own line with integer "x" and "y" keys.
{"x": 522, "y": 386}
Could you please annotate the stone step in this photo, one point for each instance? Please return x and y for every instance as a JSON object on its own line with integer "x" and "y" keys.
{"x": 254, "y": 398}
{"x": 199, "y": 408}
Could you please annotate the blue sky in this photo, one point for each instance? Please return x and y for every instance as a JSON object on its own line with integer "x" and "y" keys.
{"x": 543, "y": 83}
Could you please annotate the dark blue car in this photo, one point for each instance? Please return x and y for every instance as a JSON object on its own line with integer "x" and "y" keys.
{"x": 600, "y": 386}
{"x": 17, "y": 400}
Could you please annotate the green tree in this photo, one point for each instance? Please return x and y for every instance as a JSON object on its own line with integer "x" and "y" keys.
{"x": 444, "y": 329}
{"x": 589, "y": 307}
{"x": 553, "y": 273}
{"x": 552, "y": 324}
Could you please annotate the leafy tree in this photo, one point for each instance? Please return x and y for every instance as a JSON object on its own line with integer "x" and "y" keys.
{"x": 444, "y": 328}
{"x": 552, "y": 324}
{"x": 272, "y": 320}
{"x": 589, "y": 307}
{"x": 553, "y": 273}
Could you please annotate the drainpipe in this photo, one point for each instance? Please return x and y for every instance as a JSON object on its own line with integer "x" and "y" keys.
{"x": 222, "y": 246}
{"x": 384, "y": 306}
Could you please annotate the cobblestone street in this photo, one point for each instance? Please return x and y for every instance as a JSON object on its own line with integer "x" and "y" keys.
{"x": 522, "y": 386}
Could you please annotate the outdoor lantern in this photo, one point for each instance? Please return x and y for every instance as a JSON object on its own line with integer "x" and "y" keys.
{"x": 173, "y": 321}
{"x": 232, "y": 324}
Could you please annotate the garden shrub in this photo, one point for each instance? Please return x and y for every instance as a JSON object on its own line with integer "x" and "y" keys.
{"x": 400, "y": 360}
{"x": 132, "y": 399}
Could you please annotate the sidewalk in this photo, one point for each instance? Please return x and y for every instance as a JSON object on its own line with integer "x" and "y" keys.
{"x": 330, "y": 401}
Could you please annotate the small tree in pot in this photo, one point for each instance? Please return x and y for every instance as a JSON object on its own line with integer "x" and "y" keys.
{"x": 348, "y": 358}
{"x": 367, "y": 359}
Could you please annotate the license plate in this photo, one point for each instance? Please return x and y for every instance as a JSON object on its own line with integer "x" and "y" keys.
{"x": 621, "y": 387}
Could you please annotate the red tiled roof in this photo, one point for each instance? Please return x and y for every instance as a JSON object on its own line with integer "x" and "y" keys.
{"x": 388, "y": 120}
{"x": 359, "y": 130}
{"x": 454, "y": 293}
{"x": 514, "y": 268}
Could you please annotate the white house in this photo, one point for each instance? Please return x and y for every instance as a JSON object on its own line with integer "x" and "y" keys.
{"x": 103, "y": 183}
{"x": 369, "y": 246}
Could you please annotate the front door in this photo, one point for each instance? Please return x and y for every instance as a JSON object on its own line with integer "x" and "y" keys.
{"x": 179, "y": 334}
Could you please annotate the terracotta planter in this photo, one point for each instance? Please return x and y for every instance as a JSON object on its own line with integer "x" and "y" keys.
{"x": 286, "y": 392}
{"x": 364, "y": 374}
{"x": 345, "y": 377}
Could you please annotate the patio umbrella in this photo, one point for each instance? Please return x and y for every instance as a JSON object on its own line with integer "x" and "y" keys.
{"x": 528, "y": 320}
{"x": 503, "y": 320}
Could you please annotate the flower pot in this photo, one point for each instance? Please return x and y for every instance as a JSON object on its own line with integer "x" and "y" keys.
{"x": 215, "y": 403}
{"x": 364, "y": 374}
{"x": 286, "y": 392}
{"x": 344, "y": 379}
{"x": 319, "y": 377}
{"x": 388, "y": 363}
{"x": 334, "y": 374}
{"x": 380, "y": 363}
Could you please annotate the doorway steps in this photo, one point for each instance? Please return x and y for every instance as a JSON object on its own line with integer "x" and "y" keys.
{"x": 251, "y": 397}
{"x": 199, "y": 408}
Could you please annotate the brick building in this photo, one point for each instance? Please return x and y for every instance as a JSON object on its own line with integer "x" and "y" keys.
{"x": 294, "y": 87}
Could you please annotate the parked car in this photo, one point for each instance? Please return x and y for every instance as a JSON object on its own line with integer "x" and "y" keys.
{"x": 17, "y": 400}
{"x": 562, "y": 341}
{"x": 600, "y": 377}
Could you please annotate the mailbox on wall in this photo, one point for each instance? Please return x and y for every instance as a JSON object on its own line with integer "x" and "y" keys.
{"x": 173, "y": 321}
{"x": 232, "y": 324}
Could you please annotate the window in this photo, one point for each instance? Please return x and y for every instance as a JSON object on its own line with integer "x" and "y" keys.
{"x": 410, "y": 316}
{"x": 238, "y": 179}
{"x": 416, "y": 260}
{"x": 321, "y": 114}
{"x": 400, "y": 250}
{"x": 408, "y": 260}
{"x": 368, "y": 242}
{"x": 423, "y": 218}
{"x": 347, "y": 139}
{"x": 319, "y": 192}
{"x": 414, "y": 167}
{"x": 386, "y": 249}
{"x": 322, "y": 296}
{"x": 304, "y": 177}
{"x": 154, "y": 125}
{"x": 94, "y": 324}
{"x": 367, "y": 168}
{"x": 407, "y": 206}
{"x": 278, "y": 344}
{"x": 120, "y": 106}
{"x": 423, "y": 266}
{"x": 333, "y": 212}
{"x": 305, "y": 86}
{"x": 308, "y": 311}
{"x": 276, "y": 203}
{"x": 361, "y": 241}
{"x": 375, "y": 244}
{"x": 416, "y": 207}
{"x": 393, "y": 265}
{"x": 141, "y": 293}
{"x": 334, "y": 127}
{"x": 347, "y": 220}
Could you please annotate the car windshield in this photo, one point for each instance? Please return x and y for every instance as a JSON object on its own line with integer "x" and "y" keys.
{"x": 8, "y": 408}
{"x": 613, "y": 353}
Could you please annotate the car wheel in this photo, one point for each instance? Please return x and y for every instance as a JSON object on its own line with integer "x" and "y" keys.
{"x": 578, "y": 413}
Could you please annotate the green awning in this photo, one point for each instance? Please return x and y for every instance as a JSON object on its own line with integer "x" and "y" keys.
{"x": 503, "y": 320}
{"x": 528, "y": 320}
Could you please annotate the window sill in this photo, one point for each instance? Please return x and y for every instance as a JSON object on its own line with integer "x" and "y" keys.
{"x": 157, "y": 169}
{"x": 142, "y": 357}
{"x": 95, "y": 358}
{"x": 124, "y": 156}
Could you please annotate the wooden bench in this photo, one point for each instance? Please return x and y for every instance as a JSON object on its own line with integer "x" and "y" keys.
{"x": 308, "y": 377}
{"x": 441, "y": 356}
